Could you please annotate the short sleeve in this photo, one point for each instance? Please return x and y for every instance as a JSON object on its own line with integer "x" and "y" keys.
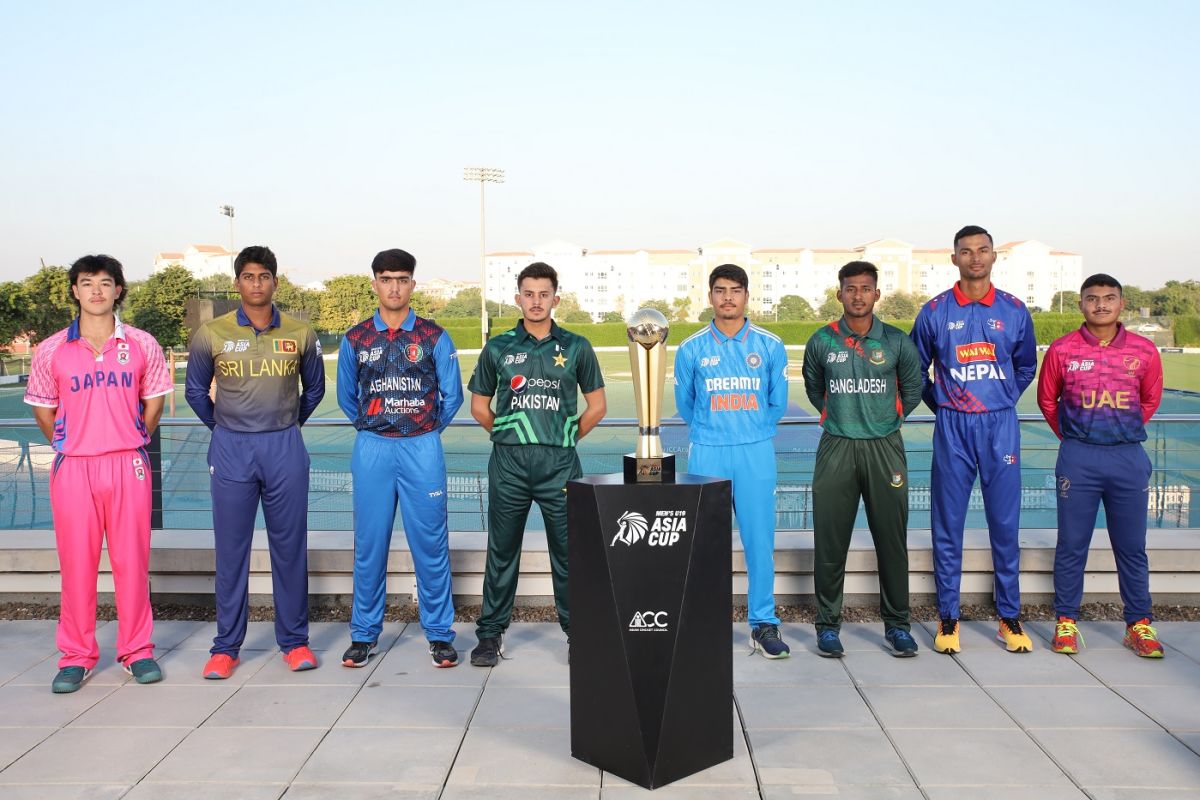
{"x": 42, "y": 389}
{"x": 483, "y": 379}
{"x": 587, "y": 373}
{"x": 157, "y": 380}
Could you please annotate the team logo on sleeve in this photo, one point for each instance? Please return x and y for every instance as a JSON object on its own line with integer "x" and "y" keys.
{"x": 414, "y": 352}
{"x": 754, "y": 361}
{"x": 285, "y": 346}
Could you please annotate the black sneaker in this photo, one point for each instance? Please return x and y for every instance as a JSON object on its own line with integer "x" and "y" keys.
{"x": 829, "y": 644}
{"x": 765, "y": 639}
{"x": 145, "y": 670}
{"x": 488, "y": 652}
{"x": 444, "y": 654}
{"x": 359, "y": 653}
{"x": 901, "y": 642}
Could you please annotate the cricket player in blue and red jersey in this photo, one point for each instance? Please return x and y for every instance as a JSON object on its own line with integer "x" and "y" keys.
{"x": 1098, "y": 388}
{"x": 398, "y": 381}
{"x": 980, "y": 342}
{"x": 731, "y": 389}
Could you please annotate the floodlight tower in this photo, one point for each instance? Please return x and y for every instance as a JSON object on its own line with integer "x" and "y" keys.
{"x": 484, "y": 175}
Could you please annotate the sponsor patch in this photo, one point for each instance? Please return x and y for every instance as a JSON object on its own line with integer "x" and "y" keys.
{"x": 975, "y": 351}
{"x": 518, "y": 384}
{"x": 285, "y": 345}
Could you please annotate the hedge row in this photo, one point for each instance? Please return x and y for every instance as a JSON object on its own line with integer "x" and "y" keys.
{"x": 1187, "y": 331}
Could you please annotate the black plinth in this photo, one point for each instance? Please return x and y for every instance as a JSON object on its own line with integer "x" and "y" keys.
{"x": 651, "y": 595}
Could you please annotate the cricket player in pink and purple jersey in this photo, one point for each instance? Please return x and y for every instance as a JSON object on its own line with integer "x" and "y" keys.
{"x": 97, "y": 391}
{"x": 1098, "y": 388}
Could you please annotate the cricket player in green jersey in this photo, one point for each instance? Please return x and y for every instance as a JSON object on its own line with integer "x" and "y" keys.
{"x": 534, "y": 373}
{"x": 864, "y": 377}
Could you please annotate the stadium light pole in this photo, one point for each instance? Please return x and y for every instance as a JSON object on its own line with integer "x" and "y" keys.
{"x": 483, "y": 175}
{"x": 227, "y": 211}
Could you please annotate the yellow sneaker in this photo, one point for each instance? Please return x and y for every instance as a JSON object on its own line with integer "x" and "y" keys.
{"x": 1015, "y": 639}
{"x": 946, "y": 640}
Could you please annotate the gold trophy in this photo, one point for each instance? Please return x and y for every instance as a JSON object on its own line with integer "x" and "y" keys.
{"x": 648, "y": 361}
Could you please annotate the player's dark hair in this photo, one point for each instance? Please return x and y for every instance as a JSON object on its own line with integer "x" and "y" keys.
{"x": 256, "y": 254}
{"x": 1100, "y": 279}
{"x": 971, "y": 230}
{"x": 94, "y": 265}
{"x": 856, "y": 268}
{"x": 538, "y": 270}
{"x": 393, "y": 261}
{"x": 730, "y": 272}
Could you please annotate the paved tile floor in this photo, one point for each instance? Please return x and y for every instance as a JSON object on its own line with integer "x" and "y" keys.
{"x": 984, "y": 724}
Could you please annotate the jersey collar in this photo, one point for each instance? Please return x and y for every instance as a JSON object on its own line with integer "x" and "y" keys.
{"x": 742, "y": 333}
{"x": 986, "y": 300}
{"x": 409, "y": 323}
{"x": 242, "y": 319}
{"x": 73, "y": 329}
{"x": 555, "y": 332}
{"x": 842, "y": 328}
{"x": 1090, "y": 338}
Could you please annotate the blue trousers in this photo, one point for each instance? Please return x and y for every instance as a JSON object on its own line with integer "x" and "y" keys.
{"x": 244, "y": 469}
{"x": 411, "y": 470}
{"x": 1118, "y": 476}
{"x": 987, "y": 444}
{"x": 751, "y": 468}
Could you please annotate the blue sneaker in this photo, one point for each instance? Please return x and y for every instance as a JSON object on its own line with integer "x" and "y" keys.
{"x": 765, "y": 639}
{"x": 829, "y": 644}
{"x": 901, "y": 641}
{"x": 145, "y": 670}
{"x": 69, "y": 679}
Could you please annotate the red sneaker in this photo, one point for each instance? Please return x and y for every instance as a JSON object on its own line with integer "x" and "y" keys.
{"x": 1141, "y": 638}
{"x": 1067, "y": 638}
{"x": 300, "y": 659}
{"x": 220, "y": 667}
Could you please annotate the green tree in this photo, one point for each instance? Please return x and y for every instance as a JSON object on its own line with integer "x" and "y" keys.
{"x": 831, "y": 308}
{"x": 1176, "y": 298}
{"x": 612, "y": 316}
{"x": 900, "y": 305}
{"x": 426, "y": 305}
{"x": 220, "y": 283}
{"x": 346, "y": 301}
{"x": 297, "y": 301}
{"x": 463, "y": 304}
{"x": 569, "y": 311}
{"x": 12, "y": 311}
{"x": 1070, "y": 302}
{"x": 707, "y": 314}
{"x": 681, "y": 308}
{"x": 157, "y": 305}
{"x": 48, "y": 303}
{"x": 660, "y": 305}
{"x": 794, "y": 308}
{"x": 1136, "y": 299}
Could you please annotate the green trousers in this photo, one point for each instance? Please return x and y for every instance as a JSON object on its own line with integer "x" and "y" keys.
{"x": 875, "y": 470}
{"x": 518, "y": 475}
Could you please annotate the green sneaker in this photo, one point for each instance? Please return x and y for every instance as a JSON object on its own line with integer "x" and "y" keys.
{"x": 144, "y": 670}
{"x": 69, "y": 679}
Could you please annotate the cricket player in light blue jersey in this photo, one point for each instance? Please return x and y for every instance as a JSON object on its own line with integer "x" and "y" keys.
{"x": 731, "y": 389}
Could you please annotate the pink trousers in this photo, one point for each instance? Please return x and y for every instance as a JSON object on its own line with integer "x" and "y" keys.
{"x": 94, "y": 498}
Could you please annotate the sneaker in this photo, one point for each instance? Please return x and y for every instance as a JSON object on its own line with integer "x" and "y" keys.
{"x": 829, "y": 644}
{"x": 901, "y": 641}
{"x": 1141, "y": 638}
{"x": 69, "y": 679}
{"x": 220, "y": 666}
{"x": 444, "y": 654}
{"x": 1067, "y": 638}
{"x": 359, "y": 653}
{"x": 488, "y": 652}
{"x": 144, "y": 670}
{"x": 300, "y": 658}
{"x": 1015, "y": 639}
{"x": 946, "y": 640}
{"x": 766, "y": 640}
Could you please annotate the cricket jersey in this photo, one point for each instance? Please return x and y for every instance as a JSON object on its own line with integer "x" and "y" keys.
{"x": 402, "y": 382}
{"x": 983, "y": 351}
{"x": 1100, "y": 393}
{"x": 731, "y": 389}
{"x": 536, "y": 384}
{"x": 257, "y": 372}
{"x": 98, "y": 397}
{"x": 864, "y": 386}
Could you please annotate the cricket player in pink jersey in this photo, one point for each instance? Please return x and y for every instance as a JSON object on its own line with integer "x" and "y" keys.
{"x": 97, "y": 391}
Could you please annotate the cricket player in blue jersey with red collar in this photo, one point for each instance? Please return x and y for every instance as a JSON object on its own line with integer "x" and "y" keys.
{"x": 980, "y": 343}
{"x": 731, "y": 389}
{"x": 398, "y": 381}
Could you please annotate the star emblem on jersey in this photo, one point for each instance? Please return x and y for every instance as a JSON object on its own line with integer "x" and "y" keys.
{"x": 560, "y": 360}
{"x": 753, "y": 360}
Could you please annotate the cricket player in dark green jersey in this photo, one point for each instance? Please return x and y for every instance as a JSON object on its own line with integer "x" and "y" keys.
{"x": 535, "y": 373}
{"x": 864, "y": 377}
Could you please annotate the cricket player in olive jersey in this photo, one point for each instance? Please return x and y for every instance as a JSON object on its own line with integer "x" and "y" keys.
{"x": 534, "y": 372}
{"x": 260, "y": 359}
{"x": 864, "y": 376}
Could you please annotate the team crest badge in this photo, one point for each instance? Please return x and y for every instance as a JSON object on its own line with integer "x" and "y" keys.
{"x": 897, "y": 480}
{"x": 122, "y": 356}
{"x": 754, "y": 361}
{"x": 876, "y": 356}
{"x": 414, "y": 352}
{"x": 1064, "y": 483}
{"x": 139, "y": 469}
{"x": 285, "y": 346}
{"x": 1132, "y": 364}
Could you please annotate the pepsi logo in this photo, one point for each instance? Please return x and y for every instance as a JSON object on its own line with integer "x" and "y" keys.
{"x": 518, "y": 384}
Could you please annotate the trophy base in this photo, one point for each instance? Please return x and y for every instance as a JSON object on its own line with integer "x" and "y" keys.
{"x": 649, "y": 470}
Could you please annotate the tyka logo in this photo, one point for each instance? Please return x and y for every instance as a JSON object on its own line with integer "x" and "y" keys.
{"x": 649, "y": 622}
{"x": 664, "y": 531}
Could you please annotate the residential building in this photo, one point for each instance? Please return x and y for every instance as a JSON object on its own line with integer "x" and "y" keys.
{"x": 202, "y": 260}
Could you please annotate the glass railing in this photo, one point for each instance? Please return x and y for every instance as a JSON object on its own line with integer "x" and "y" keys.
{"x": 182, "y": 499}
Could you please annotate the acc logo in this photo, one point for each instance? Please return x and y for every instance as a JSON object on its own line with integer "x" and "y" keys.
{"x": 957, "y": 325}
{"x": 139, "y": 470}
{"x": 284, "y": 345}
{"x": 876, "y": 357}
{"x": 370, "y": 356}
{"x": 631, "y": 527}
{"x": 839, "y": 357}
{"x": 710, "y": 361}
{"x": 240, "y": 346}
{"x": 1081, "y": 366}
{"x": 515, "y": 358}
{"x": 648, "y": 621}
{"x": 754, "y": 361}
{"x": 317, "y": 346}
{"x": 996, "y": 324}
{"x": 897, "y": 480}
{"x": 414, "y": 352}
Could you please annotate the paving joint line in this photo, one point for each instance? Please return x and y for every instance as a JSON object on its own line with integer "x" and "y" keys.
{"x": 467, "y": 727}
{"x": 737, "y": 707}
